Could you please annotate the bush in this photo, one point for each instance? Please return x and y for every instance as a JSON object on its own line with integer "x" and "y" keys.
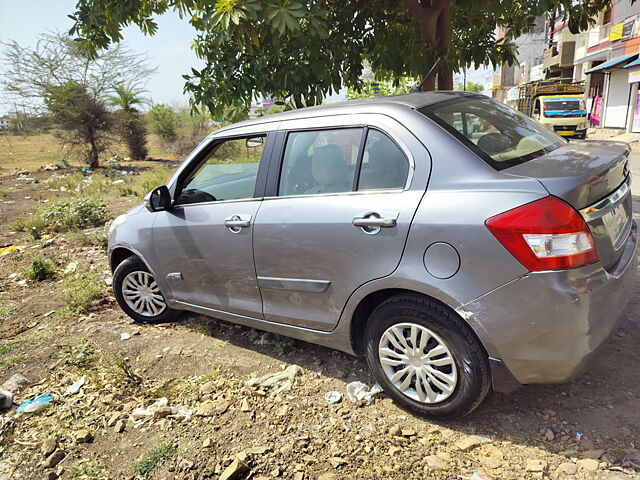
{"x": 80, "y": 291}
{"x": 82, "y": 239}
{"x": 63, "y": 216}
{"x": 144, "y": 183}
{"x": 154, "y": 457}
{"x": 133, "y": 131}
{"x": 41, "y": 269}
{"x": 33, "y": 224}
{"x": 77, "y": 213}
{"x": 162, "y": 121}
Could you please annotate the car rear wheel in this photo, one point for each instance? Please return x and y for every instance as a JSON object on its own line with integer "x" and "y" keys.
{"x": 138, "y": 293}
{"x": 426, "y": 358}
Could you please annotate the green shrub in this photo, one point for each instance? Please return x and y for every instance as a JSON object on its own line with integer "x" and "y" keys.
{"x": 41, "y": 269}
{"x": 142, "y": 184}
{"x": 82, "y": 239}
{"x": 63, "y": 216}
{"x": 69, "y": 182}
{"x": 30, "y": 223}
{"x": 76, "y": 213}
{"x": 162, "y": 121}
{"x": 80, "y": 291}
{"x": 81, "y": 355}
{"x": 7, "y": 310}
{"x": 154, "y": 457}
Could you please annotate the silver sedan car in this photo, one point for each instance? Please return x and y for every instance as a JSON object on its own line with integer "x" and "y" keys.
{"x": 455, "y": 243}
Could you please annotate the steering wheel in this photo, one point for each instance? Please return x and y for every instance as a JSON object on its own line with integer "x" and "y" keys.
{"x": 195, "y": 196}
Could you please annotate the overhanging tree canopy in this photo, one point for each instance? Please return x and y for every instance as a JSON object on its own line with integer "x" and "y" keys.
{"x": 302, "y": 49}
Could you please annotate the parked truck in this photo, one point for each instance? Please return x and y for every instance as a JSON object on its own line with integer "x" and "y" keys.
{"x": 557, "y": 104}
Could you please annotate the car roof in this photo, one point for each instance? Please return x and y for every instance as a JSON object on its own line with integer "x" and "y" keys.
{"x": 372, "y": 105}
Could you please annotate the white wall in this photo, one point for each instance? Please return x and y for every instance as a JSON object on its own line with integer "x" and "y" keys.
{"x": 617, "y": 99}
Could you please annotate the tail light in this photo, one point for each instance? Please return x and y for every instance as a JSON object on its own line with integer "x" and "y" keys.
{"x": 547, "y": 234}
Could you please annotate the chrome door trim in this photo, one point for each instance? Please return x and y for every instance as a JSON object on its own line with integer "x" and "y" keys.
{"x": 387, "y": 191}
{"x": 293, "y": 284}
{"x": 216, "y": 202}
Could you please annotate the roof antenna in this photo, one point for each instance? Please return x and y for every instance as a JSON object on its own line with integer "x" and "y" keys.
{"x": 418, "y": 88}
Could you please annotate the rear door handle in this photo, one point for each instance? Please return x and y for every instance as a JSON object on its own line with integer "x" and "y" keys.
{"x": 372, "y": 222}
{"x": 237, "y": 222}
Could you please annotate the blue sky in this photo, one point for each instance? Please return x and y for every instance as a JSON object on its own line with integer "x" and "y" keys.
{"x": 168, "y": 50}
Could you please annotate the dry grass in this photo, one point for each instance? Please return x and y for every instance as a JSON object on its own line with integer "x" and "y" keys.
{"x": 31, "y": 152}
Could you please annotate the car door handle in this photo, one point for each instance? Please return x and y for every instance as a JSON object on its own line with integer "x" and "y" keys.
{"x": 375, "y": 220}
{"x": 236, "y": 222}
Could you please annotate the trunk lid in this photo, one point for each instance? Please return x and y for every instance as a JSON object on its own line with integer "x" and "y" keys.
{"x": 593, "y": 177}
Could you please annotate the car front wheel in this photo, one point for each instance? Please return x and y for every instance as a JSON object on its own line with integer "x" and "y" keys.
{"x": 138, "y": 293}
{"x": 426, "y": 358}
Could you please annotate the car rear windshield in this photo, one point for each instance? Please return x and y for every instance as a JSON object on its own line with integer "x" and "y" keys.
{"x": 499, "y": 135}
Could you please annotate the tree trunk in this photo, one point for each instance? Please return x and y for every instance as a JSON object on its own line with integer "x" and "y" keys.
{"x": 435, "y": 30}
{"x": 92, "y": 158}
{"x": 443, "y": 34}
{"x": 428, "y": 35}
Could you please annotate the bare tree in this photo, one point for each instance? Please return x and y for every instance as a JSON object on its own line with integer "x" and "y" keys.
{"x": 57, "y": 63}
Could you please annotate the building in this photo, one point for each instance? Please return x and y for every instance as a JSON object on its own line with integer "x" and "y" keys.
{"x": 530, "y": 58}
{"x": 606, "y": 59}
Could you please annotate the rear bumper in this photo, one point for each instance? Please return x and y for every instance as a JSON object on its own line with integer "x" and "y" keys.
{"x": 545, "y": 327}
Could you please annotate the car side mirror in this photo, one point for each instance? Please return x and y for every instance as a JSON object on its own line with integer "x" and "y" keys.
{"x": 158, "y": 199}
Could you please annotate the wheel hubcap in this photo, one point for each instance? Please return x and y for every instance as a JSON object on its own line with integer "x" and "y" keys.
{"x": 418, "y": 363}
{"x": 142, "y": 294}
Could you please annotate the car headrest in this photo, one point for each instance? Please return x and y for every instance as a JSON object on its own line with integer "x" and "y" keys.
{"x": 385, "y": 157}
{"x": 328, "y": 165}
{"x": 493, "y": 143}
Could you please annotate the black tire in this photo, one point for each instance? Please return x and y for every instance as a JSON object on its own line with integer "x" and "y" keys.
{"x": 473, "y": 373}
{"x": 130, "y": 265}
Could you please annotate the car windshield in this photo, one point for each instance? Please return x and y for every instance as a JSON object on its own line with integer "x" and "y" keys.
{"x": 566, "y": 105}
{"x": 499, "y": 135}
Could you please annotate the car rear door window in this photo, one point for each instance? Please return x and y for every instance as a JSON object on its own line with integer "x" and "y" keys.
{"x": 228, "y": 172}
{"x": 384, "y": 165}
{"x": 320, "y": 161}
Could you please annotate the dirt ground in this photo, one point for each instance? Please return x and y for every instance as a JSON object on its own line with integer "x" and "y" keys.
{"x": 216, "y": 426}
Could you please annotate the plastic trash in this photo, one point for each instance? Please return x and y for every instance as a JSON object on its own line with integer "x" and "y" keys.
{"x": 35, "y": 404}
{"x": 151, "y": 409}
{"x": 282, "y": 380}
{"x": 180, "y": 413}
{"x": 480, "y": 476}
{"x": 578, "y": 437}
{"x": 125, "y": 336}
{"x": 10, "y": 249}
{"x": 357, "y": 391}
{"x": 476, "y": 476}
{"x": 74, "y": 387}
{"x": 333, "y": 397}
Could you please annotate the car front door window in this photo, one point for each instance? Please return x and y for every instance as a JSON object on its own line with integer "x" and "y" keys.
{"x": 228, "y": 172}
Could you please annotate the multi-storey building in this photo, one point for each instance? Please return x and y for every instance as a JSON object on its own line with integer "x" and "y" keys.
{"x": 606, "y": 58}
{"x": 530, "y": 51}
